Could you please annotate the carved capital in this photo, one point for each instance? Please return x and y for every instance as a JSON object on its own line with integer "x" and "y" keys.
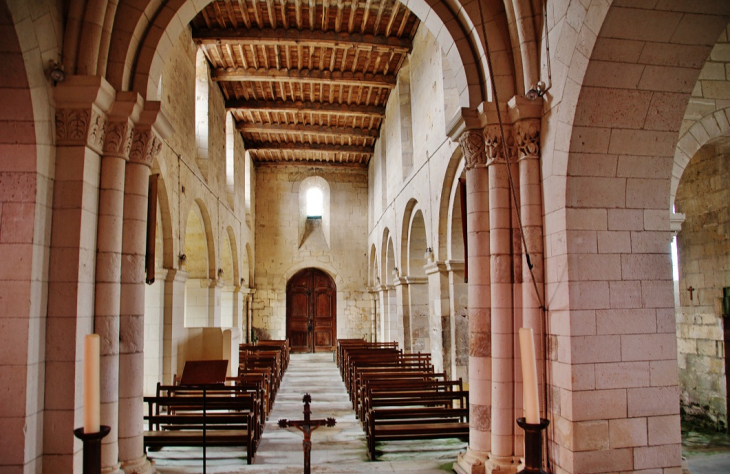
{"x": 118, "y": 141}
{"x": 472, "y": 145}
{"x": 145, "y": 147}
{"x": 80, "y": 127}
{"x": 527, "y": 134}
{"x": 496, "y": 151}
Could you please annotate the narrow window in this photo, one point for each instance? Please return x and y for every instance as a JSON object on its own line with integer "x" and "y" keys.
{"x": 315, "y": 203}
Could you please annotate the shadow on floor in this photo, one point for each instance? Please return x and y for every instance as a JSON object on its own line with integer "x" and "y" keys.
{"x": 706, "y": 451}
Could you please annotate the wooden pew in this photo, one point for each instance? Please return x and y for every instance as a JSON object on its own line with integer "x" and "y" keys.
{"x": 184, "y": 417}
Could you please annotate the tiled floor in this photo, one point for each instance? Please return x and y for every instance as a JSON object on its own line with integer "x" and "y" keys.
{"x": 338, "y": 450}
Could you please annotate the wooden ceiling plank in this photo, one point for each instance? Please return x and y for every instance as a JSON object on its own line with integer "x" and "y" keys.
{"x": 243, "y": 6}
{"x": 351, "y": 22}
{"x": 381, "y": 8}
{"x": 305, "y": 107}
{"x": 311, "y": 76}
{"x": 284, "y": 14}
{"x": 277, "y": 54}
{"x": 309, "y": 147}
{"x": 206, "y": 17}
{"x": 255, "y": 57}
{"x": 312, "y": 13}
{"x": 303, "y": 37}
{"x": 333, "y": 57}
{"x": 231, "y": 14}
{"x": 356, "y": 60}
{"x": 257, "y": 13}
{"x": 298, "y": 11}
{"x": 271, "y": 12}
{"x": 393, "y": 14}
{"x": 404, "y": 21}
{"x": 387, "y": 63}
{"x": 365, "y": 16}
{"x": 243, "y": 55}
{"x": 265, "y": 50}
{"x": 338, "y": 19}
{"x": 325, "y": 14}
{"x": 219, "y": 15}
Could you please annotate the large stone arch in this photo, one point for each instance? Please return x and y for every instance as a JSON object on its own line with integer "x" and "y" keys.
{"x": 374, "y": 274}
{"x": 707, "y": 130}
{"x": 139, "y": 46}
{"x": 408, "y": 211}
{"x": 448, "y": 187}
{"x": 606, "y": 182}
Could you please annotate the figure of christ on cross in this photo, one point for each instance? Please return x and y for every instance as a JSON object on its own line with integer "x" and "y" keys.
{"x": 306, "y": 426}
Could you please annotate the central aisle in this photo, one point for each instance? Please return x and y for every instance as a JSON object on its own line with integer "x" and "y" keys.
{"x": 338, "y": 450}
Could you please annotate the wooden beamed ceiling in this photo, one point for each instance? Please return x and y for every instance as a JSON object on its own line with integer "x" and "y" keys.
{"x": 307, "y": 81}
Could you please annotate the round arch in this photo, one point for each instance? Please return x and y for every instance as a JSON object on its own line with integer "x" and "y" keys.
{"x": 138, "y": 67}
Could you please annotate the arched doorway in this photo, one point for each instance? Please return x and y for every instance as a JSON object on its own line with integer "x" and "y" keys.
{"x": 311, "y": 311}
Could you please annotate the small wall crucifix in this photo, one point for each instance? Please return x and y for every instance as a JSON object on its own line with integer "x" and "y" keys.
{"x": 690, "y": 289}
{"x": 306, "y": 426}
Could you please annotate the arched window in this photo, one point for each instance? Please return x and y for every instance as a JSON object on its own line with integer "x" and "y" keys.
{"x": 201, "y": 111}
{"x": 230, "y": 154}
{"x": 315, "y": 203}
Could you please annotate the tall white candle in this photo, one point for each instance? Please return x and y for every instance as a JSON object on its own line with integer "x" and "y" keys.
{"x": 529, "y": 377}
{"x": 92, "y": 409}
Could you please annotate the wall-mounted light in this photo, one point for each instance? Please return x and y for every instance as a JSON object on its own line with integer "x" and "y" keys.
{"x": 56, "y": 72}
{"x": 220, "y": 272}
{"x": 182, "y": 257}
{"x": 395, "y": 272}
{"x": 243, "y": 280}
{"x": 536, "y": 91}
{"x": 429, "y": 254}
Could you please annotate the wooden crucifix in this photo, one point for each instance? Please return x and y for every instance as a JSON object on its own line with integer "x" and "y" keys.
{"x": 306, "y": 426}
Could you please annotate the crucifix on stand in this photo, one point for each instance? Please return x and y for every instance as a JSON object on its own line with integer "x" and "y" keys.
{"x": 306, "y": 426}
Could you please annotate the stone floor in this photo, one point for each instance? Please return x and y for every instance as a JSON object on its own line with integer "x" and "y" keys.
{"x": 338, "y": 450}
{"x": 706, "y": 451}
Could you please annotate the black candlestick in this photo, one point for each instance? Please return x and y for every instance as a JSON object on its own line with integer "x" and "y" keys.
{"x": 533, "y": 445}
{"x": 92, "y": 448}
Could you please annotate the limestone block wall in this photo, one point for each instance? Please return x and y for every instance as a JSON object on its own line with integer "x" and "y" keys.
{"x": 703, "y": 245}
{"x": 280, "y": 253}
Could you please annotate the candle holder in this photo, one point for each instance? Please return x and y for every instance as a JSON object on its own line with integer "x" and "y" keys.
{"x": 92, "y": 448}
{"x": 533, "y": 445}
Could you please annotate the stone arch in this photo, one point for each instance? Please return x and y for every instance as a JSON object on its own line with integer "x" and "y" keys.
{"x": 328, "y": 269}
{"x": 404, "y": 231}
{"x": 202, "y": 232}
{"x": 707, "y": 130}
{"x": 137, "y": 66}
{"x": 609, "y": 178}
{"x": 387, "y": 264}
{"x": 248, "y": 269}
{"x": 165, "y": 215}
{"x": 374, "y": 274}
{"x": 234, "y": 255}
{"x": 449, "y": 186}
{"x": 226, "y": 260}
{"x": 417, "y": 244}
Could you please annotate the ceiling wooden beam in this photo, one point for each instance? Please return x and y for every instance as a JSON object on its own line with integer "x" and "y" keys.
{"x": 305, "y": 107}
{"x": 294, "y": 75}
{"x": 307, "y": 147}
{"x": 291, "y": 37}
{"x": 301, "y": 129}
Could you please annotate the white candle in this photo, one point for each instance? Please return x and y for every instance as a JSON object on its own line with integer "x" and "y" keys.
{"x": 92, "y": 410}
{"x": 529, "y": 377}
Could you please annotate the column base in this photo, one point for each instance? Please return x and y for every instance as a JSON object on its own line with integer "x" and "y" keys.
{"x": 115, "y": 469}
{"x": 139, "y": 466}
{"x": 471, "y": 462}
{"x": 503, "y": 464}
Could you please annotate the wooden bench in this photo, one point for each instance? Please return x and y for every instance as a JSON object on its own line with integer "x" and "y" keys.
{"x": 191, "y": 419}
{"x": 399, "y": 424}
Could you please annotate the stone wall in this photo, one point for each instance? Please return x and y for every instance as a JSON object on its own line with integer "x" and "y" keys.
{"x": 704, "y": 265}
{"x": 281, "y": 251}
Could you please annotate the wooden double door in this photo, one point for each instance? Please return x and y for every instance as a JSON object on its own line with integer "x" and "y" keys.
{"x": 311, "y": 311}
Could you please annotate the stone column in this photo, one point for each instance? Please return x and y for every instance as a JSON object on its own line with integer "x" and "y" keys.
{"x": 383, "y": 299}
{"x": 215, "y": 289}
{"x": 239, "y": 310}
{"x": 117, "y": 146}
{"x": 501, "y": 456}
{"x": 400, "y": 316}
{"x": 82, "y": 103}
{"x": 479, "y": 304}
{"x": 146, "y": 145}
{"x": 373, "y": 314}
{"x": 457, "y": 318}
{"x": 174, "y": 323}
{"x": 440, "y": 323}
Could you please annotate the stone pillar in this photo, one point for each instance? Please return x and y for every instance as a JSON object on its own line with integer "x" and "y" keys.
{"x": 249, "y": 317}
{"x": 501, "y": 456}
{"x": 215, "y": 290}
{"x": 145, "y": 146}
{"x": 239, "y": 310}
{"x": 82, "y": 103}
{"x": 384, "y": 299}
{"x": 457, "y": 318}
{"x": 400, "y": 316}
{"x": 117, "y": 146}
{"x": 373, "y": 314}
{"x": 440, "y": 323}
{"x": 479, "y": 304}
{"x": 174, "y": 321}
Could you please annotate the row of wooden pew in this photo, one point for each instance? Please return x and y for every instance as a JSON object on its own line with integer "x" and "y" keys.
{"x": 398, "y": 396}
{"x": 229, "y": 412}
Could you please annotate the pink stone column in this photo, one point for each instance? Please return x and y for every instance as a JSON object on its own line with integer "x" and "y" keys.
{"x": 500, "y": 227}
{"x": 146, "y": 145}
{"x": 479, "y": 304}
{"x": 82, "y": 103}
{"x": 109, "y": 263}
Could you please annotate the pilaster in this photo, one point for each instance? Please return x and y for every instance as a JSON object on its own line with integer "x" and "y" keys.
{"x": 81, "y": 115}
{"x": 174, "y": 326}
